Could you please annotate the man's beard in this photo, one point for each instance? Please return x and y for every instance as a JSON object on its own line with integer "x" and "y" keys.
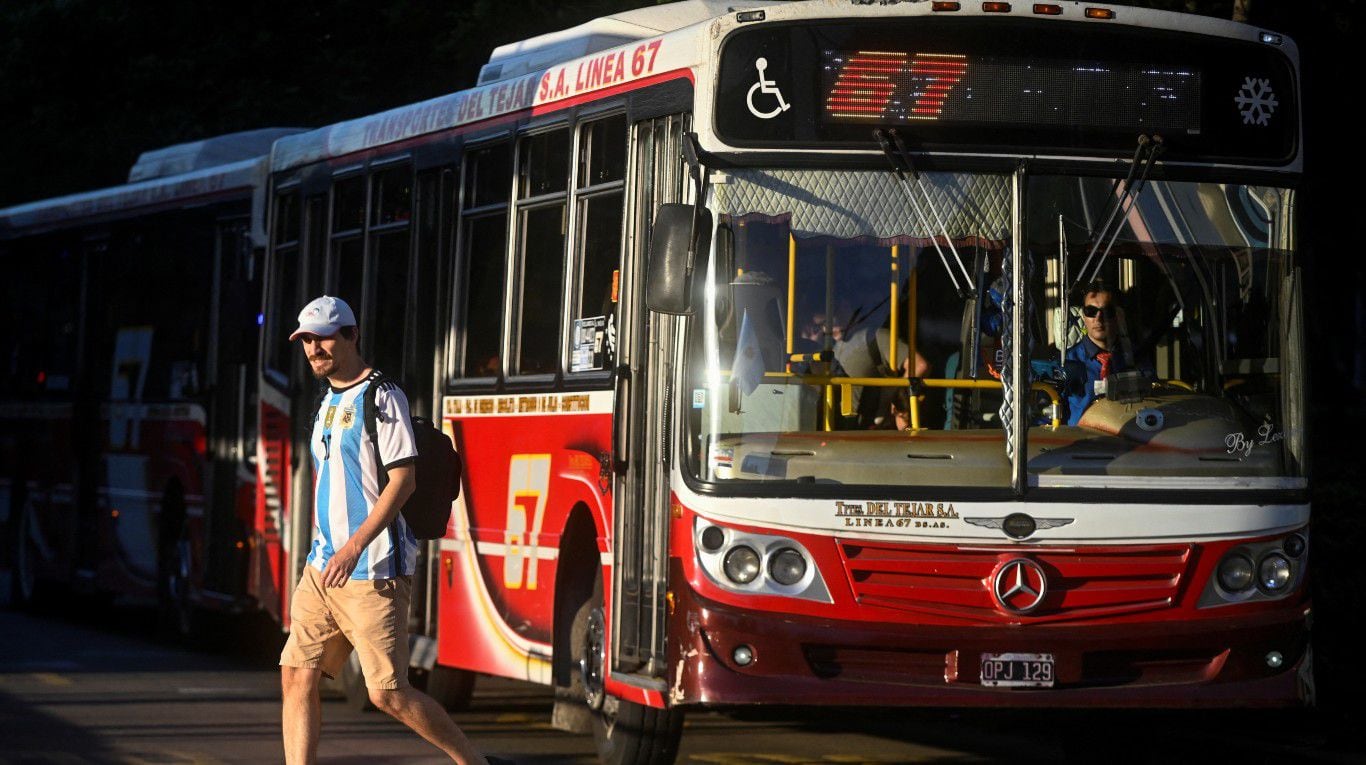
{"x": 322, "y": 372}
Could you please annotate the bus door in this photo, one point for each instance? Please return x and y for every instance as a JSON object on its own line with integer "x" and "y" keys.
{"x": 640, "y": 417}
{"x": 285, "y": 492}
{"x": 231, "y": 374}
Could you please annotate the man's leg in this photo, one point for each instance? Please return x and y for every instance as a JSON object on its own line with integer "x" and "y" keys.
{"x": 301, "y": 714}
{"x": 315, "y": 647}
{"x": 420, "y": 712}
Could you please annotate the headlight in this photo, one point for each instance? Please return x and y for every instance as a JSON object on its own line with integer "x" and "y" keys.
{"x": 1235, "y": 573}
{"x": 712, "y": 538}
{"x": 1273, "y": 573}
{"x": 787, "y": 567}
{"x": 1295, "y": 545}
{"x": 742, "y": 565}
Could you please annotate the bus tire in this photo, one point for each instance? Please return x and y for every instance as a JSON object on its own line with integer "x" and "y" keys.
{"x": 25, "y": 588}
{"x": 635, "y": 734}
{"x": 450, "y": 687}
{"x": 353, "y": 685}
{"x": 175, "y": 607}
{"x": 624, "y": 732}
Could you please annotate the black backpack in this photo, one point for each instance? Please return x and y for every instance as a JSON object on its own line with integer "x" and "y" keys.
{"x": 438, "y": 467}
{"x": 428, "y": 510}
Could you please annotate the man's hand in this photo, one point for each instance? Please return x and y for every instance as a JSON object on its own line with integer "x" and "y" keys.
{"x": 340, "y": 566}
{"x": 402, "y": 481}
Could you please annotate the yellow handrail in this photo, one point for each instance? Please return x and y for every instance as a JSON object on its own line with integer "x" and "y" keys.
{"x": 791, "y": 292}
{"x": 846, "y": 386}
{"x": 911, "y": 318}
{"x": 896, "y": 251}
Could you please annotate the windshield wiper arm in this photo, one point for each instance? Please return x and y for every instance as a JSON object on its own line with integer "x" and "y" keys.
{"x": 900, "y": 161}
{"x": 1146, "y": 154}
{"x": 1112, "y": 202}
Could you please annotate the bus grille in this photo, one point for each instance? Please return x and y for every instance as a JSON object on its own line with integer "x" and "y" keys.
{"x": 1083, "y": 582}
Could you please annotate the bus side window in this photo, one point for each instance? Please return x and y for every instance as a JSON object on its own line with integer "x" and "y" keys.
{"x": 348, "y": 248}
{"x": 543, "y": 162}
{"x": 282, "y": 284}
{"x": 390, "y": 210}
{"x": 158, "y": 317}
{"x": 315, "y": 244}
{"x": 429, "y": 226}
{"x": 481, "y": 261}
{"x": 599, "y": 195}
{"x": 41, "y": 318}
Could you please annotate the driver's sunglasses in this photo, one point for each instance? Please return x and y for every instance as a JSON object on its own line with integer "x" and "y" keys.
{"x": 1092, "y": 311}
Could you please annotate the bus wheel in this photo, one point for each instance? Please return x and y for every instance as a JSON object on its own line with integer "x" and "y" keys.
{"x": 353, "y": 685}
{"x": 174, "y": 605}
{"x": 177, "y": 609}
{"x": 626, "y": 733}
{"x": 451, "y": 688}
{"x": 24, "y": 587}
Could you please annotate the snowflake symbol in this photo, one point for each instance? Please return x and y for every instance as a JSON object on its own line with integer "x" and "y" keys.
{"x": 1256, "y": 102}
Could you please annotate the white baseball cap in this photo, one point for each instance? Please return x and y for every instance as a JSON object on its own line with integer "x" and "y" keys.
{"x": 324, "y": 317}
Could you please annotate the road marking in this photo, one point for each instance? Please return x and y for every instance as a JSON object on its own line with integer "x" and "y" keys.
{"x": 40, "y": 666}
{"x": 194, "y": 691}
{"x": 49, "y": 678}
{"x": 170, "y": 757}
{"x": 737, "y": 758}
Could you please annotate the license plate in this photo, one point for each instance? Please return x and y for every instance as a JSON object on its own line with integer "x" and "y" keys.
{"x": 1017, "y": 670}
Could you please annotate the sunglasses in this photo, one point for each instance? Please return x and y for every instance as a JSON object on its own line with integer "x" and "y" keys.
{"x": 1092, "y": 311}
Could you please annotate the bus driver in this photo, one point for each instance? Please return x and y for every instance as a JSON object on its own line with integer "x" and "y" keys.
{"x": 1098, "y": 354}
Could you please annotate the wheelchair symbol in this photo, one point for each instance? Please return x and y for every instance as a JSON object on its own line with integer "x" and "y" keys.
{"x": 769, "y": 87}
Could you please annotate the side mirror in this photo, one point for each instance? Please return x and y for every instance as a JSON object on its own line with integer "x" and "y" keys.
{"x": 680, "y": 232}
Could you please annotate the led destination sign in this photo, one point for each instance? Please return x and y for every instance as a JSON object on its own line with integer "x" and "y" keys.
{"x": 1009, "y": 86}
{"x": 901, "y": 88}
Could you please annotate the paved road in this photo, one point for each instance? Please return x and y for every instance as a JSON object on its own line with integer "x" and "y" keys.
{"x": 102, "y": 688}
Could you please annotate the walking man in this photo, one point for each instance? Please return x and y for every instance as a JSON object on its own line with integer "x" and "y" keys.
{"x": 356, "y": 586}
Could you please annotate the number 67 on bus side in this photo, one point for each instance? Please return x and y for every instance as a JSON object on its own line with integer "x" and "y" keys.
{"x": 528, "y": 483}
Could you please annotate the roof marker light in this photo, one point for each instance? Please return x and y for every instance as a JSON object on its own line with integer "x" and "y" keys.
{"x": 744, "y": 16}
{"x": 1100, "y": 13}
{"x": 945, "y": 5}
{"x": 1047, "y": 9}
{"x": 995, "y": 7}
{"x": 1271, "y": 38}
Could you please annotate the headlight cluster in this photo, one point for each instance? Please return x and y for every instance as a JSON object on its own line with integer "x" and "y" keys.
{"x": 1259, "y": 571}
{"x": 742, "y": 564}
{"x": 787, "y": 566}
{"x": 757, "y": 563}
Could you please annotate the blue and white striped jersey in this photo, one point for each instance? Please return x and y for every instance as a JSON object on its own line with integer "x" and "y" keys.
{"x": 346, "y": 465}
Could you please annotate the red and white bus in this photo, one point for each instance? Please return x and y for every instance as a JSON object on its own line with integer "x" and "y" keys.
{"x": 688, "y": 483}
{"x": 670, "y": 279}
{"x": 127, "y": 393}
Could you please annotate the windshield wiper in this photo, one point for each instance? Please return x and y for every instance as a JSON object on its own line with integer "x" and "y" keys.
{"x": 1119, "y": 206}
{"x": 900, "y": 160}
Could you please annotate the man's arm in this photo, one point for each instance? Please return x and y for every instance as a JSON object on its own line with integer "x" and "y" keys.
{"x": 402, "y": 482}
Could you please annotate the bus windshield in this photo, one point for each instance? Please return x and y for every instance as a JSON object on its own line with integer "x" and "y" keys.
{"x": 853, "y": 331}
{"x": 1192, "y": 291}
{"x": 833, "y": 331}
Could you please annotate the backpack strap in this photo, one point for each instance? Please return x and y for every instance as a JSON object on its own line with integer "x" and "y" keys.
{"x": 370, "y": 411}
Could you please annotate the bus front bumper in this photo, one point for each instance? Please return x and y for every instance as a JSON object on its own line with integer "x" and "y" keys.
{"x": 798, "y": 660}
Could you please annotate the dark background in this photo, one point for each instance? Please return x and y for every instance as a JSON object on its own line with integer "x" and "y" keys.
{"x": 87, "y": 85}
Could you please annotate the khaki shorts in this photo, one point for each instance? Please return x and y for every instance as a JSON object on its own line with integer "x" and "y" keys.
{"x": 370, "y": 614}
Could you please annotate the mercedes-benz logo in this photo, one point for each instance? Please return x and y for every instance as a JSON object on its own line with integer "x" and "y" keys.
{"x": 1020, "y": 586}
{"x": 1019, "y": 525}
